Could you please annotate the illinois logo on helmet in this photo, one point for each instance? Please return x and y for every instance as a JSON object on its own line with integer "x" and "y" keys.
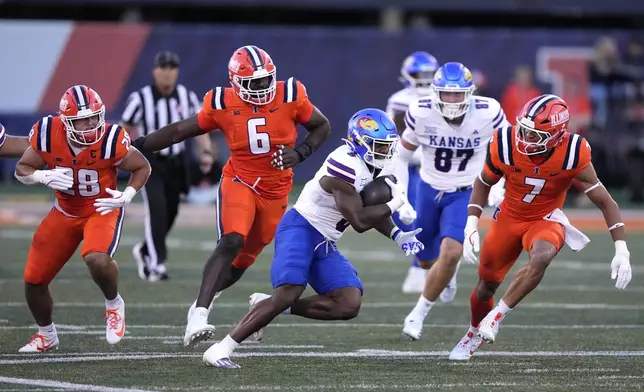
{"x": 541, "y": 124}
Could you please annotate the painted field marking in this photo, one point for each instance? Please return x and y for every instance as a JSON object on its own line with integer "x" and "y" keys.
{"x": 65, "y": 385}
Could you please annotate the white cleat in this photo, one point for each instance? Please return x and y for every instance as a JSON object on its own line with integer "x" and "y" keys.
{"x": 466, "y": 346}
{"x": 255, "y": 298}
{"x": 141, "y": 264}
{"x": 194, "y": 306}
{"x": 198, "y": 329}
{"x": 413, "y": 326}
{"x": 415, "y": 281}
{"x": 217, "y": 357}
{"x": 40, "y": 343}
{"x": 489, "y": 327}
{"x": 449, "y": 292}
{"x": 115, "y": 323}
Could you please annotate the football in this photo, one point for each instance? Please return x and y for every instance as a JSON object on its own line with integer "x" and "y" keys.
{"x": 377, "y": 192}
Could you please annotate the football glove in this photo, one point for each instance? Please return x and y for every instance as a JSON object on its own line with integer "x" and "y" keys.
{"x": 407, "y": 241}
{"x": 54, "y": 178}
{"x": 118, "y": 200}
{"x": 621, "y": 266}
{"x": 471, "y": 243}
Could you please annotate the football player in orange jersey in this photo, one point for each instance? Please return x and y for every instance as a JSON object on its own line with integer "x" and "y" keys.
{"x": 258, "y": 115}
{"x": 540, "y": 160}
{"x": 12, "y": 146}
{"x": 81, "y": 153}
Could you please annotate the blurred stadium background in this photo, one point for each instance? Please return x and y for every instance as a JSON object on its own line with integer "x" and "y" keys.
{"x": 348, "y": 53}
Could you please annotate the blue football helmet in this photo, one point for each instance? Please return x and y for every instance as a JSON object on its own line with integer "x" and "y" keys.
{"x": 417, "y": 72}
{"x": 453, "y": 89}
{"x": 373, "y": 136}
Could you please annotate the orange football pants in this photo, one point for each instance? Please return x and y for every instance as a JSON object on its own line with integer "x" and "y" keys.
{"x": 508, "y": 236}
{"x": 241, "y": 210}
{"x": 58, "y": 237}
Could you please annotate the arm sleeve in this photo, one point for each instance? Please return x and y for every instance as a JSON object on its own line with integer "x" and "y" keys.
{"x": 304, "y": 106}
{"x": 206, "y": 115}
{"x": 133, "y": 109}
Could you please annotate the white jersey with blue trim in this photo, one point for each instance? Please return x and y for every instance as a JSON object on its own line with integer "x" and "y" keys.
{"x": 399, "y": 102}
{"x": 317, "y": 206}
{"x": 452, "y": 155}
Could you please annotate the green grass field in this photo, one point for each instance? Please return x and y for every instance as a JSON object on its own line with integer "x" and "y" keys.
{"x": 575, "y": 333}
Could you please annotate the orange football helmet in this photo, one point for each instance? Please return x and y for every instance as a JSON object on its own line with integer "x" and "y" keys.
{"x": 83, "y": 114}
{"x": 541, "y": 124}
{"x": 252, "y": 75}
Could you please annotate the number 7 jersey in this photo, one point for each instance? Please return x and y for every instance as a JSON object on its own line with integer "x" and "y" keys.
{"x": 93, "y": 167}
{"x": 452, "y": 155}
{"x": 253, "y": 132}
{"x": 535, "y": 190}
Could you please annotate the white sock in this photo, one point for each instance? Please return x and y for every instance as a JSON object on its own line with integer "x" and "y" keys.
{"x": 229, "y": 345}
{"x": 113, "y": 303}
{"x": 502, "y": 308}
{"x": 474, "y": 330}
{"x": 47, "y": 330}
{"x": 422, "y": 307}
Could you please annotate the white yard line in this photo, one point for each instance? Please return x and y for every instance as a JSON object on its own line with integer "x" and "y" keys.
{"x": 366, "y": 353}
{"x": 65, "y": 385}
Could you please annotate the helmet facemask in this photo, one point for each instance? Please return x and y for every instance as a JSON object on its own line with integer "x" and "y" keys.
{"x": 420, "y": 82}
{"x": 380, "y": 153}
{"x": 452, "y": 102}
{"x": 85, "y": 128}
{"x": 531, "y": 141}
{"x": 258, "y": 89}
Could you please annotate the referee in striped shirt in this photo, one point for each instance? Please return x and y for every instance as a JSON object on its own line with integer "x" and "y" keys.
{"x": 148, "y": 109}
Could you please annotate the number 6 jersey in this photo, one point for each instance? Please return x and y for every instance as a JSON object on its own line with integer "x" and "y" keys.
{"x": 452, "y": 155}
{"x": 253, "y": 132}
{"x": 93, "y": 167}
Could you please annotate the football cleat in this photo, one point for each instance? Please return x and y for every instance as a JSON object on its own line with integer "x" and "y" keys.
{"x": 449, "y": 292}
{"x": 489, "y": 327}
{"x": 216, "y": 356}
{"x": 40, "y": 343}
{"x": 466, "y": 347}
{"x": 413, "y": 326}
{"x": 255, "y": 298}
{"x": 415, "y": 281}
{"x": 140, "y": 259}
{"x": 115, "y": 323}
{"x": 198, "y": 329}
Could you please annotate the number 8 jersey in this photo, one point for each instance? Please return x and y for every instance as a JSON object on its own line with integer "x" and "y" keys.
{"x": 253, "y": 132}
{"x": 92, "y": 167}
{"x": 452, "y": 155}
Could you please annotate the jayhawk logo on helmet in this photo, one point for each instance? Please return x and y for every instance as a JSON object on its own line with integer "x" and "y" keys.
{"x": 367, "y": 124}
{"x": 467, "y": 75}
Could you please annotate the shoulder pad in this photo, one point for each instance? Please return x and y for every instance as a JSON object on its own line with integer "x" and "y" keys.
{"x": 40, "y": 134}
{"x": 577, "y": 153}
{"x": 341, "y": 163}
{"x": 215, "y": 98}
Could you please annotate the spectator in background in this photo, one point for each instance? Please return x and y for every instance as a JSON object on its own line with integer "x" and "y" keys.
{"x": 204, "y": 182}
{"x": 521, "y": 89}
{"x": 578, "y": 105}
{"x": 481, "y": 83}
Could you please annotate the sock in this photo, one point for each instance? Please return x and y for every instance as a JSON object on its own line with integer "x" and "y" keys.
{"x": 422, "y": 307}
{"x": 228, "y": 344}
{"x": 479, "y": 309}
{"x": 414, "y": 262}
{"x": 503, "y": 309}
{"x": 47, "y": 330}
{"x": 113, "y": 303}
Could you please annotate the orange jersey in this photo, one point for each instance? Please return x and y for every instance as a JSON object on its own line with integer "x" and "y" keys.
{"x": 534, "y": 190}
{"x": 93, "y": 167}
{"x": 253, "y": 132}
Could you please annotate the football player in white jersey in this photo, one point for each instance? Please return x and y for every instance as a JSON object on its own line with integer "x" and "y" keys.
{"x": 453, "y": 128}
{"x": 305, "y": 241}
{"x": 416, "y": 74}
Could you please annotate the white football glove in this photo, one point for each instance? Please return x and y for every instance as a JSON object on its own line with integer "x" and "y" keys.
{"x": 471, "y": 243}
{"x": 497, "y": 193}
{"x": 118, "y": 200}
{"x": 407, "y": 214}
{"x": 407, "y": 241}
{"x": 399, "y": 194}
{"x": 54, "y": 178}
{"x": 621, "y": 265}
